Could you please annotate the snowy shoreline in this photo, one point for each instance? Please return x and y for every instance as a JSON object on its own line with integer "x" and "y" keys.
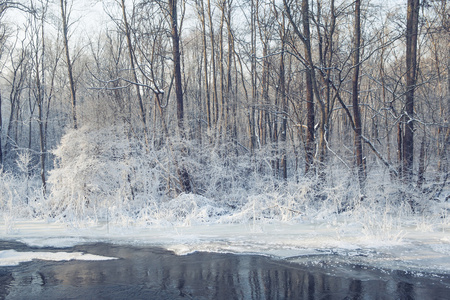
{"x": 414, "y": 249}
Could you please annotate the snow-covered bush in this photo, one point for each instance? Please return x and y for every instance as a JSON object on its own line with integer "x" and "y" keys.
{"x": 188, "y": 209}
{"x": 101, "y": 168}
{"x": 110, "y": 174}
{"x": 20, "y": 197}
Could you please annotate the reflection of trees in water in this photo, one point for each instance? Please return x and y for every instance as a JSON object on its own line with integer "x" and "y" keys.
{"x": 226, "y": 276}
{"x": 148, "y": 271}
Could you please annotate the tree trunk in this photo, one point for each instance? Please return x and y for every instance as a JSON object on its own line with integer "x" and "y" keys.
{"x": 205, "y": 63}
{"x": 386, "y": 112}
{"x": 284, "y": 104}
{"x": 40, "y": 103}
{"x": 400, "y": 147}
{"x": 355, "y": 94}
{"x": 133, "y": 70}
{"x": 412, "y": 25}
{"x": 264, "y": 96}
{"x": 309, "y": 78}
{"x": 42, "y": 145}
{"x": 230, "y": 95}
{"x": 213, "y": 62}
{"x": 182, "y": 172}
{"x": 1, "y": 131}
{"x": 177, "y": 64}
{"x": 69, "y": 63}
{"x": 309, "y": 88}
{"x": 421, "y": 171}
{"x": 41, "y": 96}
{"x": 252, "y": 121}
{"x": 223, "y": 118}
{"x": 325, "y": 30}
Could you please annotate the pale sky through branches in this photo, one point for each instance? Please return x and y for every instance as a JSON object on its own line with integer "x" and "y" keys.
{"x": 88, "y": 17}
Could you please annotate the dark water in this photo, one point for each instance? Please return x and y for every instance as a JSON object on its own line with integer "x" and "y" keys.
{"x": 154, "y": 273}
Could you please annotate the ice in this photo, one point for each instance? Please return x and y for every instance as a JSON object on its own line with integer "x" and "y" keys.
{"x": 12, "y": 257}
{"x": 415, "y": 251}
{"x": 55, "y": 242}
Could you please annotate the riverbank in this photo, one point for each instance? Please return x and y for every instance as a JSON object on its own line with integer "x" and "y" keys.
{"x": 145, "y": 272}
{"x": 407, "y": 248}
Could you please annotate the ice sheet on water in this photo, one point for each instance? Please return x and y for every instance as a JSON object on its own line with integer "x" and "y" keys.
{"x": 12, "y": 257}
{"x": 55, "y": 242}
{"x": 299, "y": 241}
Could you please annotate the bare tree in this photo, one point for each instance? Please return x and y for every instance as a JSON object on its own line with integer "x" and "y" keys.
{"x": 133, "y": 69}
{"x": 281, "y": 89}
{"x": 2, "y": 42}
{"x": 1, "y": 132}
{"x": 176, "y": 56}
{"x": 19, "y": 69}
{"x": 355, "y": 95}
{"x": 215, "y": 100}
{"x": 305, "y": 37}
{"x": 201, "y": 14}
{"x": 3, "y": 7}
{"x": 69, "y": 63}
{"x": 412, "y": 24}
{"x": 39, "y": 62}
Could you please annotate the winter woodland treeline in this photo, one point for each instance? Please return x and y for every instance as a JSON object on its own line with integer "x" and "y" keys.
{"x": 228, "y": 99}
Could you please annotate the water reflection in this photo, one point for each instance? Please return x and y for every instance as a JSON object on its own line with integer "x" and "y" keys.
{"x": 152, "y": 273}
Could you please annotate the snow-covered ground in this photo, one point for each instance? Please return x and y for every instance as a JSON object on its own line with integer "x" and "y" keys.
{"x": 416, "y": 248}
{"x": 105, "y": 188}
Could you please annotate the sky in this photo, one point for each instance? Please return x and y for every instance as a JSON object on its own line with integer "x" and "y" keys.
{"x": 88, "y": 16}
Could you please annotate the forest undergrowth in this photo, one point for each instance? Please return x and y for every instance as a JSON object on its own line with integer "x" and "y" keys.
{"x": 109, "y": 175}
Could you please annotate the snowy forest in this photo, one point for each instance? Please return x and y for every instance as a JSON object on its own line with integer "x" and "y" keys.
{"x": 152, "y": 112}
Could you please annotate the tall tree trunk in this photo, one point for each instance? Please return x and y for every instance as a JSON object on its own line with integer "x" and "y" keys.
{"x": 386, "y": 113}
{"x": 213, "y": 62}
{"x": 40, "y": 102}
{"x": 69, "y": 62}
{"x": 284, "y": 104}
{"x": 264, "y": 96}
{"x": 400, "y": 147}
{"x": 176, "y": 56}
{"x": 182, "y": 172}
{"x": 133, "y": 70}
{"x": 252, "y": 121}
{"x": 421, "y": 171}
{"x": 223, "y": 119}
{"x": 41, "y": 134}
{"x": 325, "y": 30}
{"x": 309, "y": 88}
{"x": 412, "y": 25}
{"x": 355, "y": 94}
{"x": 230, "y": 94}
{"x": 1, "y": 131}
{"x": 201, "y": 12}
{"x": 263, "y": 120}
{"x": 305, "y": 37}
{"x": 443, "y": 142}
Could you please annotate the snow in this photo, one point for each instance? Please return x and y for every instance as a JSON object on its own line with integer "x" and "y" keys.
{"x": 13, "y": 257}
{"x": 415, "y": 249}
{"x": 105, "y": 188}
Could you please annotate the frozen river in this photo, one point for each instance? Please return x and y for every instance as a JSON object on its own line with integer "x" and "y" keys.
{"x": 145, "y": 272}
